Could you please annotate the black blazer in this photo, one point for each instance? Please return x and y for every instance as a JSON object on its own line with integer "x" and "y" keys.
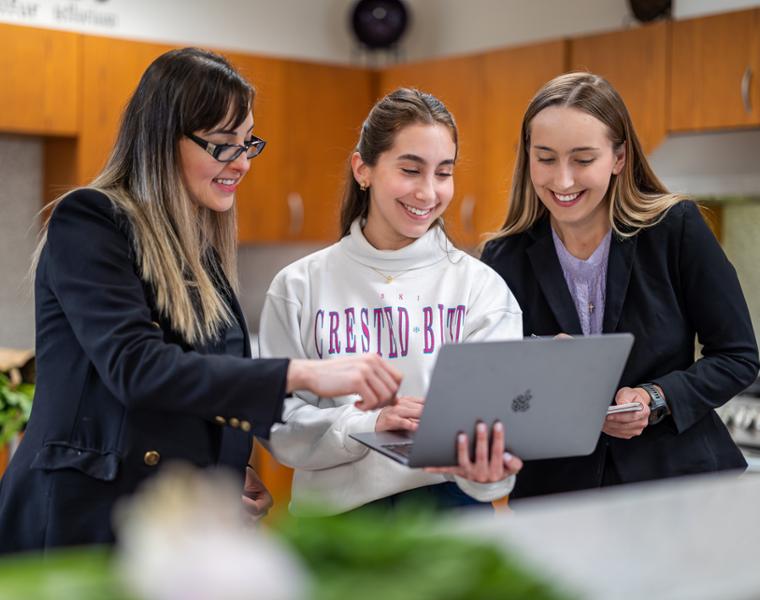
{"x": 665, "y": 285}
{"x": 119, "y": 394}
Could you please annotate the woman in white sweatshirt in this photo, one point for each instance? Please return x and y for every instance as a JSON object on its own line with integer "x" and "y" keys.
{"x": 396, "y": 286}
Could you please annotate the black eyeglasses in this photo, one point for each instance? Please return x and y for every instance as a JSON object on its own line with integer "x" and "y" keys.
{"x": 229, "y": 152}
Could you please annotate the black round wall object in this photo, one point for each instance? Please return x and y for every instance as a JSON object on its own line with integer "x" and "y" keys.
{"x": 649, "y": 10}
{"x": 379, "y": 24}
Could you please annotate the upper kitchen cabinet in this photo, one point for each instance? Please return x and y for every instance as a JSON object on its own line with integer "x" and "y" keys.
{"x": 511, "y": 78}
{"x": 39, "y": 81}
{"x": 263, "y": 214}
{"x": 635, "y": 62}
{"x": 458, "y": 83}
{"x": 111, "y": 69}
{"x": 714, "y": 72}
{"x": 310, "y": 116}
{"x": 324, "y": 108}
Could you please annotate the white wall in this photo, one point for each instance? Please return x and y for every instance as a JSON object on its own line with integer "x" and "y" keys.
{"x": 313, "y": 29}
{"x": 318, "y": 29}
{"x": 444, "y": 27}
{"x": 741, "y": 222}
{"x": 685, "y": 9}
{"x": 20, "y": 199}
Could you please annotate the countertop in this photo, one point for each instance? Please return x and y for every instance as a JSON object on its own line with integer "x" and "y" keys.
{"x": 689, "y": 538}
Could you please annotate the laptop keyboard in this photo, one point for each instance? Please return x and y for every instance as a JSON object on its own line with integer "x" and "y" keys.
{"x": 404, "y": 449}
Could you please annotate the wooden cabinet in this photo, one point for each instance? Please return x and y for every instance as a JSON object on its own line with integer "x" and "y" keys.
{"x": 458, "y": 83}
{"x": 310, "y": 115}
{"x": 39, "y": 81}
{"x": 511, "y": 78}
{"x": 4, "y": 458}
{"x": 111, "y": 70}
{"x": 715, "y": 72}
{"x": 261, "y": 198}
{"x": 487, "y": 94}
{"x": 325, "y": 107}
{"x": 277, "y": 478}
{"x": 635, "y": 62}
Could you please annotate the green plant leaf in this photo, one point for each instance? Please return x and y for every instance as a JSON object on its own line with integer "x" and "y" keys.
{"x": 15, "y": 408}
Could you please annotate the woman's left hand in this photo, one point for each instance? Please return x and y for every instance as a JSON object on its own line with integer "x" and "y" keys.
{"x": 256, "y": 497}
{"x": 486, "y": 468}
{"x": 630, "y": 424}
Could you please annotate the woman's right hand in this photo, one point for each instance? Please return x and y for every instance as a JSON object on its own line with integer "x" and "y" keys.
{"x": 405, "y": 414}
{"x": 367, "y": 375}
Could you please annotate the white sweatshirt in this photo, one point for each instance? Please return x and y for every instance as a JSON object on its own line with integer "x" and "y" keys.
{"x": 339, "y": 302}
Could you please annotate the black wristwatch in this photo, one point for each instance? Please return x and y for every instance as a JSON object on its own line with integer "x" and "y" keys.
{"x": 658, "y": 408}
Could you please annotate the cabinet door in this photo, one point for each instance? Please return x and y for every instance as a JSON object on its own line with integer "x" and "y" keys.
{"x": 715, "y": 72}
{"x": 512, "y": 77}
{"x": 3, "y": 459}
{"x": 39, "y": 81}
{"x": 325, "y": 108}
{"x": 111, "y": 71}
{"x": 277, "y": 478}
{"x": 261, "y": 198}
{"x": 635, "y": 63}
{"x": 457, "y": 82}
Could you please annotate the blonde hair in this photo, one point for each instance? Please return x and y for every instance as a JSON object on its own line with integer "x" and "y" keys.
{"x": 175, "y": 239}
{"x": 636, "y": 197}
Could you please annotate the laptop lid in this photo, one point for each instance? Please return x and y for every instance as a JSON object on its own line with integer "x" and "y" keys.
{"x": 551, "y": 395}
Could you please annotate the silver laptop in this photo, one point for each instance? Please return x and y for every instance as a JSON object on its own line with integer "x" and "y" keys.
{"x": 550, "y": 394}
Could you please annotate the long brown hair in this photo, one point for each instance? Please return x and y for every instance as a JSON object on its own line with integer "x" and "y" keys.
{"x": 181, "y": 92}
{"x": 636, "y": 197}
{"x": 399, "y": 109}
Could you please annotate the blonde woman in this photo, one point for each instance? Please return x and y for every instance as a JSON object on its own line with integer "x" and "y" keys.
{"x": 594, "y": 243}
{"x": 142, "y": 349}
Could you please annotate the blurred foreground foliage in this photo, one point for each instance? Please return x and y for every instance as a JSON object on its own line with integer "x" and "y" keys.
{"x": 406, "y": 555}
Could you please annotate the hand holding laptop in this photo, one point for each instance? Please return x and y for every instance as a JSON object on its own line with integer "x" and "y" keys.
{"x": 487, "y": 467}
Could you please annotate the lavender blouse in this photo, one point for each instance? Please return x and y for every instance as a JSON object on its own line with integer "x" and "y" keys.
{"x": 587, "y": 281}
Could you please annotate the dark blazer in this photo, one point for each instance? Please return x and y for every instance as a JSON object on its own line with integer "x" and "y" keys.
{"x": 665, "y": 285}
{"x": 119, "y": 394}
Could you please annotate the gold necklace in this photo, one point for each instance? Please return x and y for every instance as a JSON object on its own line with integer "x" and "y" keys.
{"x": 391, "y": 277}
{"x": 387, "y": 276}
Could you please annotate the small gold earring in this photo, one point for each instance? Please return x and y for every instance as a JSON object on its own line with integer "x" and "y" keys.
{"x": 363, "y": 186}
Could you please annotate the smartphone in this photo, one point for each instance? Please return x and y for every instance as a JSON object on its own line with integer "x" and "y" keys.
{"x": 622, "y": 408}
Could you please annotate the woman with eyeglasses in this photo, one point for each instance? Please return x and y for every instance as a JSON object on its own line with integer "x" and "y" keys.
{"x": 142, "y": 350}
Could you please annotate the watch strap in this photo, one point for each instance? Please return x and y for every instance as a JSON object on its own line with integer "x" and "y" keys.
{"x": 658, "y": 407}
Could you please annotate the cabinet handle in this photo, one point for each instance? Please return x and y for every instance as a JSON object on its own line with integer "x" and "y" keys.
{"x": 466, "y": 213}
{"x": 746, "y": 81}
{"x": 295, "y": 208}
